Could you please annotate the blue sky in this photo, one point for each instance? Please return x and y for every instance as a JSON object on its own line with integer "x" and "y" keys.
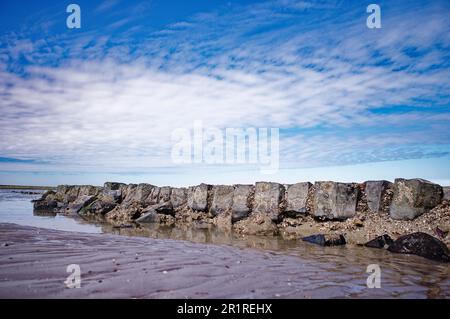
{"x": 100, "y": 103}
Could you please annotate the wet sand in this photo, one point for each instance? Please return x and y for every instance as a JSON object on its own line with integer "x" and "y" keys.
{"x": 33, "y": 264}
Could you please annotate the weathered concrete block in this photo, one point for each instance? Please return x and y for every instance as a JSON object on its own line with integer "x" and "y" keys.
{"x": 79, "y": 203}
{"x": 112, "y": 192}
{"x": 374, "y": 191}
{"x": 164, "y": 194}
{"x": 114, "y": 186}
{"x": 413, "y": 197}
{"x": 335, "y": 200}
{"x": 141, "y": 192}
{"x": 241, "y": 205}
{"x": 423, "y": 245}
{"x": 198, "y": 197}
{"x": 296, "y": 197}
{"x": 178, "y": 197}
{"x": 446, "y": 190}
{"x": 128, "y": 192}
{"x": 267, "y": 199}
{"x": 153, "y": 197}
{"x": 222, "y": 199}
{"x": 67, "y": 193}
{"x": 88, "y": 190}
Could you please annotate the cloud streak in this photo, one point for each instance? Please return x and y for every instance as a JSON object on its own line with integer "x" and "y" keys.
{"x": 339, "y": 92}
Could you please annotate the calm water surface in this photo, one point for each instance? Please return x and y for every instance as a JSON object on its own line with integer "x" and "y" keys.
{"x": 329, "y": 271}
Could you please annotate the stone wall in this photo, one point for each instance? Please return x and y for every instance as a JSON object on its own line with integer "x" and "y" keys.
{"x": 251, "y": 209}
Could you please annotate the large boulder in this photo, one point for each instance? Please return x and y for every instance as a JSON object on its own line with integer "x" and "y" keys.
{"x": 335, "y": 200}
{"x": 112, "y": 191}
{"x": 67, "y": 193}
{"x": 80, "y": 203}
{"x": 241, "y": 206}
{"x": 267, "y": 199}
{"x": 222, "y": 199}
{"x": 423, "y": 245}
{"x": 446, "y": 191}
{"x": 153, "y": 197}
{"x": 128, "y": 192}
{"x": 374, "y": 194}
{"x": 296, "y": 198}
{"x": 114, "y": 185}
{"x": 198, "y": 197}
{"x": 98, "y": 207}
{"x": 413, "y": 197}
{"x": 45, "y": 204}
{"x": 178, "y": 197}
{"x": 141, "y": 193}
{"x": 88, "y": 190}
{"x": 164, "y": 194}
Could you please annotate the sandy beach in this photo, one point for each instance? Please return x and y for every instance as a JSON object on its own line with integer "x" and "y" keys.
{"x": 33, "y": 264}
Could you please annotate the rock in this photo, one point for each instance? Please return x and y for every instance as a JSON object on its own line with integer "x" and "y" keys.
{"x": 80, "y": 203}
{"x": 66, "y": 193}
{"x": 178, "y": 197}
{"x": 153, "y": 197}
{"x": 421, "y": 244}
{"x": 296, "y": 198}
{"x": 267, "y": 199}
{"x": 88, "y": 190}
{"x": 241, "y": 206}
{"x": 98, "y": 207}
{"x": 325, "y": 240}
{"x": 112, "y": 192}
{"x": 257, "y": 224}
{"x": 148, "y": 217}
{"x": 164, "y": 208}
{"x": 47, "y": 194}
{"x": 124, "y": 213}
{"x": 114, "y": 186}
{"x": 45, "y": 205}
{"x": 140, "y": 193}
{"x": 413, "y": 197}
{"x": 198, "y": 197}
{"x": 222, "y": 199}
{"x": 164, "y": 194}
{"x": 374, "y": 193}
{"x": 127, "y": 191}
{"x": 380, "y": 242}
{"x": 446, "y": 191}
{"x": 335, "y": 200}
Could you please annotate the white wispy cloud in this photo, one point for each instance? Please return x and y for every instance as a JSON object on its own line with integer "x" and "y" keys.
{"x": 109, "y": 103}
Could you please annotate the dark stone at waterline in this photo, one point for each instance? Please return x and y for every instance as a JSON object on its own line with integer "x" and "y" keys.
{"x": 374, "y": 194}
{"x": 325, "y": 240}
{"x": 421, "y": 244}
{"x": 380, "y": 242}
{"x": 45, "y": 205}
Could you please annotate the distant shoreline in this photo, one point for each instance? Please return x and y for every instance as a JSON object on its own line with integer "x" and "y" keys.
{"x": 26, "y": 187}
